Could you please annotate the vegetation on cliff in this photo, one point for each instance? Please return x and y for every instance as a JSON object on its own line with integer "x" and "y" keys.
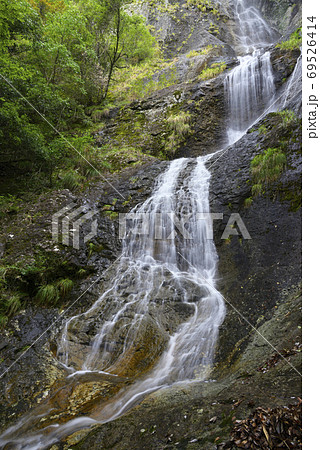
{"x": 58, "y": 59}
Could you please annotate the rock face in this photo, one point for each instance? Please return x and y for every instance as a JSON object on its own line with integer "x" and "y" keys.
{"x": 258, "y": 354}
{"x": 285, "y": 15}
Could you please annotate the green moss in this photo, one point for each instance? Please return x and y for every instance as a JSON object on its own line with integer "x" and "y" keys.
{"x": 292, "y": 194}
{"x": 294, "y": 42}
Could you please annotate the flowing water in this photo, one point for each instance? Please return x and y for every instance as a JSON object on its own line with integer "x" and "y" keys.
{"x": 294, "y": 81}
{"x": 130, "y": 315}
{"x": 252, "y": 29}
{"x": 157, "y": 322}
{"x": 249, "y": 88}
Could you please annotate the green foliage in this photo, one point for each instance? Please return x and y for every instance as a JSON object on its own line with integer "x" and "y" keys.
{"x": 288, "y": 117}
{"x": 10, "y": 304}
{"x": 62, "y": 56}
{"x": 9, "y": 204}
{"x": 70, "y": 180}
{"x": 48, "y": 294}
{"x": 203, "y": 6}
{"x": 179, "y": 126}
{"x": 266, "y": 168}
{"x": 248, "y": 202}
{"x": 3, "y": 320}
{"x": 180, "y": 123}
{"x": 203, "y": 51}
{"x": 64, "y": 286}
{"x": 294, "y": 42}
{"x": 44, "y": 278}
{"x": 138, "y": 81}
{"x": 213, "y": 71}
{"x": 262, "y": 129}
{"x": 121, "y": 157}
{"x": 13, "y": 305}
{"x": 257, "y": 189}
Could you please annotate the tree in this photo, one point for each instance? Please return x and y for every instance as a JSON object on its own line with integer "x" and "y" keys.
{"x": 130, "y": 42}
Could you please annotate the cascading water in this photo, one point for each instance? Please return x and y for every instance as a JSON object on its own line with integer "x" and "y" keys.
{"x": 157, "y": 323}
{"x": 131, "y": 315}
{"x": 249, "y": 88}
{"x": 253, "y": 30}
{"x": 294, "y": 80}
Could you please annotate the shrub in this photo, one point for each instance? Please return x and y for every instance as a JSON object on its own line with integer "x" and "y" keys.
{"x": 13, "y": 305}
{"x": 3, "y": 321}
{"x": 180, "y": 123}
{"x": 288, "y": 117}
{"x": 294, "y": 42}
{"x": 213, "y": 71}
{"x": 204, "y": 51}
{"x": 65, "y": 286}
{"x": 257, "y": 189}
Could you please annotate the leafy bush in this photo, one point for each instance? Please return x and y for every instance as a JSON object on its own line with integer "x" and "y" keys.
{"x": 65, "y": 286}
{"x": 294, "y": 42}
{"x": 203, "y": 51}
{"x": 50, "y": 294}
{"x": 213, "y": 71}
{"x": 180, "y": 123}
{"x": 288, "y": 117}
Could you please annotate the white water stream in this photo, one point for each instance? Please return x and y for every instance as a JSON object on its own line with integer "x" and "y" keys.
{"x": 186, "y": 264}
{"x": 158, "y": 259}
{"x": 249, "y": 87}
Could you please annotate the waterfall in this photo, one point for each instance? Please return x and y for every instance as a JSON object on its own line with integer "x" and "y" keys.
{"x": 253, "y": 30}
{"x": 160, "y": 270}
{"x": 186, "y": 263}
{"x": 295, "y": 77}
{"x": 249, "y": 87}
